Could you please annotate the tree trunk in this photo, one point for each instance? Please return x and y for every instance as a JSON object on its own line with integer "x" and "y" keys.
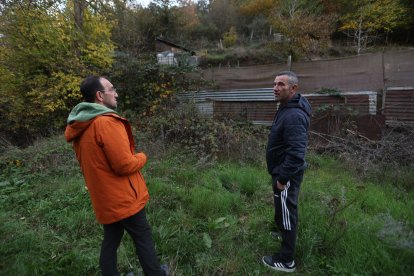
{"x": 386, "y": 38}
{"x": 293, "y": 5}
{"x": 78, "y": 11}
{"x": 78, "y": 6}
{"x": 359, "y": 36}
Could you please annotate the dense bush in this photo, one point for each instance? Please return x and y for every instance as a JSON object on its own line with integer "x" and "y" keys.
{"x": 230, "y": 38}
{"x": 43, "y": 58}
{"x": 47, "y": 156}
{"x": 143, "y": 84}
{"x": 205, "y": 137}
{"x": 384, "y": 160}
{"x": 257, "y": 54}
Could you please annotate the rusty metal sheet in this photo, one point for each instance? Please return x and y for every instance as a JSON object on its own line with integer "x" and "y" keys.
{"x": 399, "y": 105}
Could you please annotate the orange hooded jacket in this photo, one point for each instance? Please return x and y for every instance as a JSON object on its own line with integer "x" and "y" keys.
{"x": 104, "y": 147}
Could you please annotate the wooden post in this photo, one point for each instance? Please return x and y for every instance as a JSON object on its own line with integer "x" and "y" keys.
{"x": 289, "y": 63}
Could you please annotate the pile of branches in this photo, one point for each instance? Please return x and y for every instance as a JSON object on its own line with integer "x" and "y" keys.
{"x": 394, "y": 149}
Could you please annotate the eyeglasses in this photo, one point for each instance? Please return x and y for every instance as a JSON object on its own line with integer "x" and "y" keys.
{"x": 112, "y": 90}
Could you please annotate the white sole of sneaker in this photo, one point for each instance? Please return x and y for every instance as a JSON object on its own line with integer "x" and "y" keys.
{"x": 280, "y": 267}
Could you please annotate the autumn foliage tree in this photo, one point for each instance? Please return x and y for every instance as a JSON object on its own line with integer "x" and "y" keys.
{"x": 44, "y": 56}
{"x": 305, "y": 27}
{"x": 365, "y": 20}
{"x": 258, "y": 16}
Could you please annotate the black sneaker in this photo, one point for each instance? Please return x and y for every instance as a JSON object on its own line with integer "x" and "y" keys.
{"x": 274, "y": 264}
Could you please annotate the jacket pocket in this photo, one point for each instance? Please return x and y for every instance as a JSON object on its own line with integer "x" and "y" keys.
{"x": 135, "y": 193}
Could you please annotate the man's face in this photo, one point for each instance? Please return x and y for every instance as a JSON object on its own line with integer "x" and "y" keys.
{"x": 109, "y": 94}
{"x": 283, "y": 90}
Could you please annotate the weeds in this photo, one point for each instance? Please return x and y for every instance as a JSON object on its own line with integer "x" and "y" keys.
{"x": 389, "y": 160}
{"x": 208, "y": 218}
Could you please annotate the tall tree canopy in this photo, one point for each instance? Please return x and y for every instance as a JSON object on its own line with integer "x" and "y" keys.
{"x": 43, "y": 56}
{"x": 364, "y": 20}
{"x": 302, "y": 22}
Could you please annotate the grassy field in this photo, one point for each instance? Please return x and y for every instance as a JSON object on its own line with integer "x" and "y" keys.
{"x": 207, "y": 218}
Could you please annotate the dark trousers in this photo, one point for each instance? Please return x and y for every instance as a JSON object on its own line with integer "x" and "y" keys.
{"x": 138, "y": 228}
{"x": 286, "y": 215}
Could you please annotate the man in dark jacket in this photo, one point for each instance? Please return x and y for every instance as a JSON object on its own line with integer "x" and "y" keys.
{"x": 285, "y": 157}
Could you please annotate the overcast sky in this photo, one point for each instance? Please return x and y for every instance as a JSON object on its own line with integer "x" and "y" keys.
{"x": 144, "y": 3}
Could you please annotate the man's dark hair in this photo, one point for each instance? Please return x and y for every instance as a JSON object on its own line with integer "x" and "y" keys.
{"x": 89, "y": 86}
{"x": 292, "y": 77}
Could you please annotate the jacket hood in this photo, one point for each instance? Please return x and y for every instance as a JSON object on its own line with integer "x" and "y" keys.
{"x": 86, "y": 111}
{"x": 82, "y": 116}
{"x": 298, "y": 101}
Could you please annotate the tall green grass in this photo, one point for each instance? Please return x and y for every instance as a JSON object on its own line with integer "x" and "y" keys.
{"x": 207, "y": 219}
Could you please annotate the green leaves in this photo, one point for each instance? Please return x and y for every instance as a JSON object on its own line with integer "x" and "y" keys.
{"x": 43, "y": 59}
{"x": 365, "y": 18}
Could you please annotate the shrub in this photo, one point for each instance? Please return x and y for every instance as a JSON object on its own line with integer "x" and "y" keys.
{"x": 144, "y": 85}
{"x": 205, "y": 138}
{"x": 47, "y": 156}
{"x": 230, "y": 38}
{"x": 42, "y": 65}
{"x": 388, "y": 159}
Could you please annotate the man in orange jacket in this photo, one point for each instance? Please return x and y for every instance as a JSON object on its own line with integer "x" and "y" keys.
{"x": 104, "y": 147}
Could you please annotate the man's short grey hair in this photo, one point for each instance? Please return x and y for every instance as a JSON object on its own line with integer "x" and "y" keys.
{"x": 292, "y": 77}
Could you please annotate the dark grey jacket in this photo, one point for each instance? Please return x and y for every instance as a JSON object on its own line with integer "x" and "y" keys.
{"x": 288, "y": 139}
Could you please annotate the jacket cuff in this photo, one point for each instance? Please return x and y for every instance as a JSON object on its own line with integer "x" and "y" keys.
{"x": 142, "y": 156}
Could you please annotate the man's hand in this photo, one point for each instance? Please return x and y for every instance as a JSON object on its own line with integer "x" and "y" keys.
{"x": 280, "y": 186}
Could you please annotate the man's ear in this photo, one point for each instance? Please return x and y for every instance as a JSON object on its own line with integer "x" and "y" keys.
{"x": 98, "y": 96}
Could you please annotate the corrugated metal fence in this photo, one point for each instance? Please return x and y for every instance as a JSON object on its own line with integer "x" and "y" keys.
{"x": 398, "y": 105}
{"x": 259, "y": 105}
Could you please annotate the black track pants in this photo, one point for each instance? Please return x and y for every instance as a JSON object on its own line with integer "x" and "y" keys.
{"x": 286, "y": 215}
